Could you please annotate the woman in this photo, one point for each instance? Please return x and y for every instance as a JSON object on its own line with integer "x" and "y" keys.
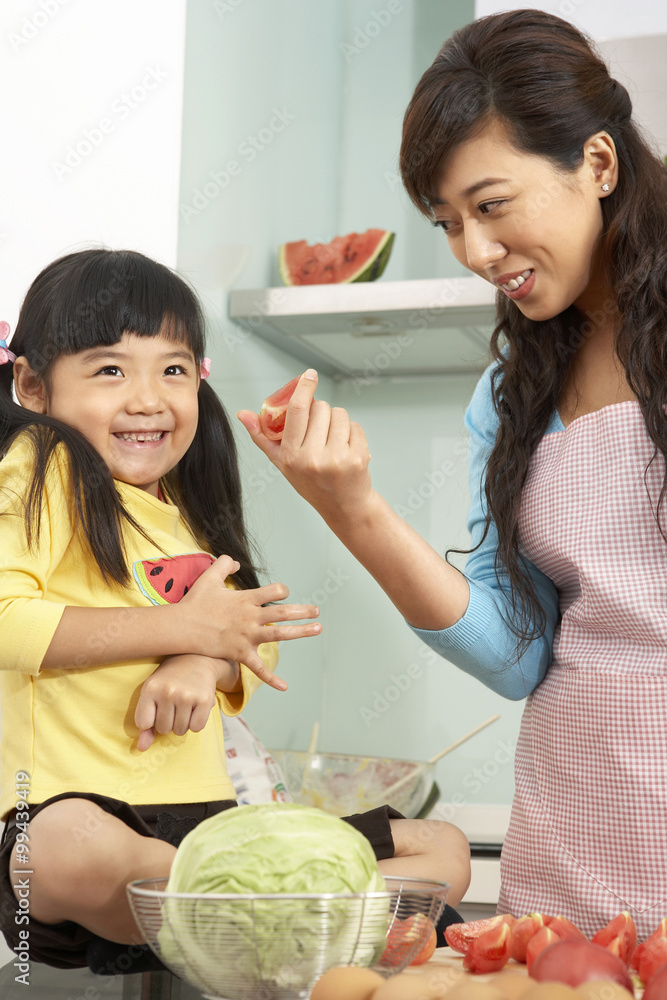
{"x": 520, "y": 146}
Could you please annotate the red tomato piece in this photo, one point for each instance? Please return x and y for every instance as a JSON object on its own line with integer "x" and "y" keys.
{"x": 656, "y": 988}
{"x": 523, "y": 930}
{"x": 653, "y": 955}
{"x": 619, "y": 936}
{"x": 411, "y": 940}
{"x": 659, "y": 932}
{"x": 490, "y": 951}
{"x": 575, "y": 962}
{"x": 565, "y": 929}
{"x": 538, "y": 943}
{"x": 460, "y": 936}
{"x": 274, "y": 408}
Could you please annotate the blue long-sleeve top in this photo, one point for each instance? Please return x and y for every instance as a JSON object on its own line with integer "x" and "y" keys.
{"x": 481, "y": 643}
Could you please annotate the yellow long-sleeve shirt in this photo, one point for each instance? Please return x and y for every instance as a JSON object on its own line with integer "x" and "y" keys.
{"x": 74, "y": 730}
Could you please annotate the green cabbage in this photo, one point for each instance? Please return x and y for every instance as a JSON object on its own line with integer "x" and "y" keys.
{"x": 228, "y": 946}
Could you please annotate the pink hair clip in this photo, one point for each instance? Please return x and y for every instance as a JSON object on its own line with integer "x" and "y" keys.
{"x": 205, "y": 368}
{"x": 5, "y": 354}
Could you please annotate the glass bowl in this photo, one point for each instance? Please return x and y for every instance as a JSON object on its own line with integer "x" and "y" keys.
{"x": 276, "y": 946}
{"x": 344, "y": 784}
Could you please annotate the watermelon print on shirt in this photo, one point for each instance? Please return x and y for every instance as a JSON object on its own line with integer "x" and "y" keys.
{"x": 167, "y": 579}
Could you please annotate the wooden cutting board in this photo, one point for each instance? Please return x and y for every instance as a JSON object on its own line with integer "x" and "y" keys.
{"x": 447, "y": 959}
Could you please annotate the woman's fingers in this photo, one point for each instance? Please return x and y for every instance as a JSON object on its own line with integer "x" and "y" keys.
{"x": 299, "y": 409}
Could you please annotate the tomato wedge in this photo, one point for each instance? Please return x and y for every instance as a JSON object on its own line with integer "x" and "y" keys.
{"x": 652, "y": 956}
{"x": 619, "y": 936}
{"x": 405, "y": 936}
{"x": 538, "y": 943}
{"x": 490, "y": 951}
{"x": 460, "y": 936}
{"x": 523, "y": 930}
{"x": 565, "y": 929}
{"x": 274, "y": 408}
{"x": 659, "y": 932}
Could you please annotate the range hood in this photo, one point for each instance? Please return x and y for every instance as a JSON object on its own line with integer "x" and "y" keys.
{"x": 375, "y": 328}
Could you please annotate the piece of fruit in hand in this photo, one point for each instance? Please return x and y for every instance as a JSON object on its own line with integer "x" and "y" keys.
{"x": 274, "y": 408}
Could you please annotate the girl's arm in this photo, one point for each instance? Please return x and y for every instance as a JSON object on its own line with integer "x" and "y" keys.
{"x": 181, "y": 693}
{"x": 210, "y": 620}
{"x": 325, "y": 457}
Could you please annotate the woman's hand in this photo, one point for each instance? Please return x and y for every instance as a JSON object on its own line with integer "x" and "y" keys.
{"x": 231, "y": 624}
{"x": 323, "y": 454}
{"x": 179, "y": 695}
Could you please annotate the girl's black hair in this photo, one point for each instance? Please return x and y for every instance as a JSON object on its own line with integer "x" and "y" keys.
{"x": 541, "y": 78}
{"x": 89, "y": 299}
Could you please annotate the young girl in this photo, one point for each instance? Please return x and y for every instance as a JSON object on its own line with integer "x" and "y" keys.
{"x": 129, "y": 608}
{"x": 520, "y": 146}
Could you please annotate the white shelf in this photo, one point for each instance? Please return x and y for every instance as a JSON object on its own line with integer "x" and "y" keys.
{"x": 375, "y": 328}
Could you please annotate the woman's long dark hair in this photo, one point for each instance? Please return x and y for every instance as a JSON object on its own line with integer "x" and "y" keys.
{"x": 92, "y": 298}
{"x": 541, "y": 78}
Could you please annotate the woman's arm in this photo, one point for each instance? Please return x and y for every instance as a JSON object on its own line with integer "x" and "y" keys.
{"x": 462, "y": 617}
{"x": 325, "y": 457}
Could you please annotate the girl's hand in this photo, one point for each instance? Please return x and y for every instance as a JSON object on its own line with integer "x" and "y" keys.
{"x": 179, "y": 696}
{"x": 323, "y": 454}
{"x": 231, "y": 624}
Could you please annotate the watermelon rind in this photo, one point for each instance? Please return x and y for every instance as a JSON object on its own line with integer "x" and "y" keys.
{"x": 372, "y": 268}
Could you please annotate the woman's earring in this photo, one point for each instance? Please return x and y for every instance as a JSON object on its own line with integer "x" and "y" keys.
{"x": 605, "y": 188}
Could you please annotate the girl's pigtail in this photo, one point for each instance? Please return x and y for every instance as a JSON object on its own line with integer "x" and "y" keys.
{"x": 206, "y": 487}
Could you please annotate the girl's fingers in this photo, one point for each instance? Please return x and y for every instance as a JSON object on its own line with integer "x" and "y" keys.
{"x": 280, "y": 633}
{"x": 145, "y": 740}
{"x": 289, "y": 612}
{"x": 258, "y": 668}
{"x": 270, "y": 592}
{"x": 224, "y": 566}
{"x": 199, "y": 718}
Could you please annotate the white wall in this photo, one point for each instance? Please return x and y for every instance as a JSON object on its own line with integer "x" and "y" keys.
{"x": 90, "y": 135}
{"x": 90, "y": 132}
{"x": 598, "y": 18}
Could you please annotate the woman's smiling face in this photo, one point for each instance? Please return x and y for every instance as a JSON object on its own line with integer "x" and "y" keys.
{"x": 526, "y": 226}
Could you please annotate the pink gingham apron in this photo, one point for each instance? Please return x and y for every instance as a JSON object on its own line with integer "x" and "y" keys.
{"x": 588, "y": 831}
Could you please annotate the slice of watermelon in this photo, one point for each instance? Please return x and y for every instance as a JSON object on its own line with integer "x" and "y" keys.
{"x": 355, "y": 257}
{"x": 168, "y": 579}
{"x": 274, "y": 408}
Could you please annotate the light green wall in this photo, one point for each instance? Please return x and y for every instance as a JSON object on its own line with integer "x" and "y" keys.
{"x": 333, "y": 169}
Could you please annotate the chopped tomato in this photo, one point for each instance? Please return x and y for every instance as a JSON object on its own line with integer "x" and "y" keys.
{"x": 460, "y": 936}
{"x": 652, "y": 955}
{"x": 565, "y": 929}
{"x": 412, "y": 940}
{"x": 523, "y": 930}
{"x": 274, "y": 408}
{"x": 490, "y": 951}
{"x": 659, "y": 932}
{"x": 538, "y": 943}
{"x": 619, "y": 936}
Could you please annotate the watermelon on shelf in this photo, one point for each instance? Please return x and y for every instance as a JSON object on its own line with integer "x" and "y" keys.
{"x": 355, "y": 257}
{"x": 168, "y": 579}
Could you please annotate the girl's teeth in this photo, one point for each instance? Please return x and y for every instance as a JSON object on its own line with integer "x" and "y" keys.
{"x": 141, "y": 437}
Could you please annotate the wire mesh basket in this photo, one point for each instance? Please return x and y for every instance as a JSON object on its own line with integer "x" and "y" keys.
{"x": 276, "y": 946}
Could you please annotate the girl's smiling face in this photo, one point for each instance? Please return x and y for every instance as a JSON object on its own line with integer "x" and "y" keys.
{"x": 526, "y": 226}
{"x": 135, "y": 401}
